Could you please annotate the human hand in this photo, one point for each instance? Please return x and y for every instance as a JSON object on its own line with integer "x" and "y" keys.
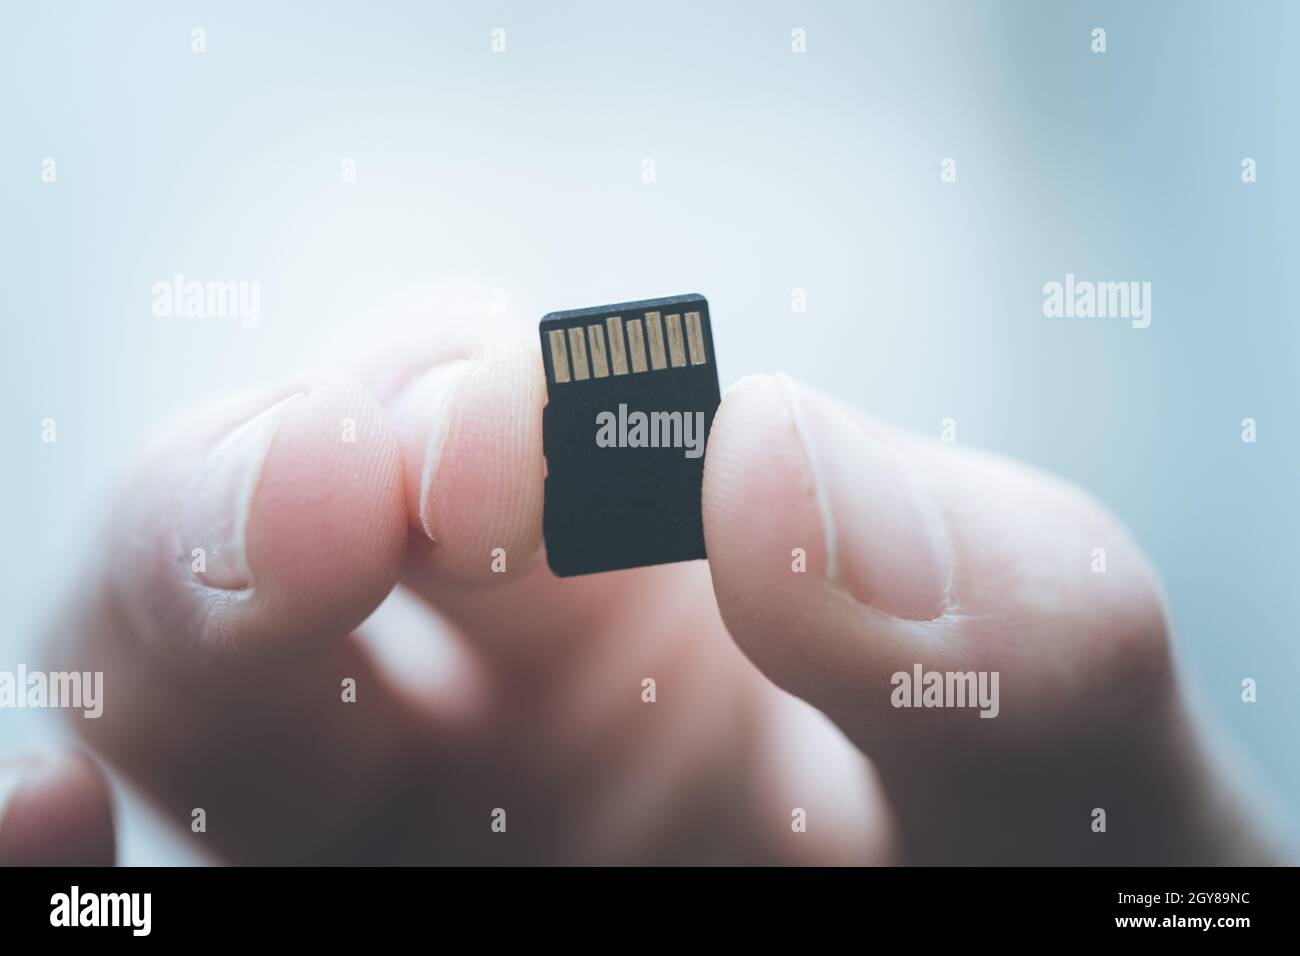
{"x": 479, "y": 690}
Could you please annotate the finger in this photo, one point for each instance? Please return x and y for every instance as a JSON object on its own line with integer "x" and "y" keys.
{"x": 913, "y": 548}
{"x": 462, "y": 385}
{"x": 920, "y": 553}
{"x": 55, "y": 810}
{"x": 251, "y": 539}
{"x": 469, "y": 430}
{"x": 464, "y": 390}
{"x": 260, "y": 523}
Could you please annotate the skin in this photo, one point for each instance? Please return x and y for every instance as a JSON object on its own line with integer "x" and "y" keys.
{"x": 478, "y": 690}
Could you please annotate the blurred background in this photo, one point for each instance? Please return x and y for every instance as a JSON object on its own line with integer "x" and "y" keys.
{"x": 779, "y": 177}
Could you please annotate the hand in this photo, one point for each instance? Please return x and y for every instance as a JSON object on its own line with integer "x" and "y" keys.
{"x": 231, "y": 600}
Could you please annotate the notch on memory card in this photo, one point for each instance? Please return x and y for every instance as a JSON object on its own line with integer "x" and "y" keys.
{"x": 631, "y": 391}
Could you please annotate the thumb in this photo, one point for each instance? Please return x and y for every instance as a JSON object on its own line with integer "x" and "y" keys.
{"x": 848, "y": 558}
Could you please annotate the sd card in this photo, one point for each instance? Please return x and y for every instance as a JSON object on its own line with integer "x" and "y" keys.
{"x": 631, "y": 394}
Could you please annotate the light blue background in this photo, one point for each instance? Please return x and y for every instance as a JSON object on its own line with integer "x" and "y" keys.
{"x": 819, "y": 171}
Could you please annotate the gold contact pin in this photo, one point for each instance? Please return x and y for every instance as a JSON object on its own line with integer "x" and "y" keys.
{"x": 654, "y": 331}
{"x": 617, "y": 352}
{"x": 636, "y": 345}
{"x": 578, "y": 348}
{"x": 599, "y": 367}
{"x": 676, "y": 347}
{"x": 695, "y": 338}
{"x": 559, "y": 357}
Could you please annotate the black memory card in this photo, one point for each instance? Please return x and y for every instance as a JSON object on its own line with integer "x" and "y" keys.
{"x": 631, "y": 394}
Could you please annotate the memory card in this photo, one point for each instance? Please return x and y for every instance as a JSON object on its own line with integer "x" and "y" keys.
{"x": 631, "y": 393}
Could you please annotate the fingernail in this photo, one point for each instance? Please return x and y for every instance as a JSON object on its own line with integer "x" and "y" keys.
{"x": 884, "y": 537}
{"x": 216, "y": 512}
{"x": 423, "y": 414}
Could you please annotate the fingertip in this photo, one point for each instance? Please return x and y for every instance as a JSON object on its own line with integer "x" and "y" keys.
{"x": 325, "y": 528}
{"x": 762, "y": 529}
{"x": 257, "y": 518}
{"x": 759, "y": 503}
{"x": 823, "y": 553}
{"x": 55, "y": 810}
{"x": 472, "y": 460}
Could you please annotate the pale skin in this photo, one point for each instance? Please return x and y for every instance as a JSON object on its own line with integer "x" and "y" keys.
{"x": 477, "y": 690}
